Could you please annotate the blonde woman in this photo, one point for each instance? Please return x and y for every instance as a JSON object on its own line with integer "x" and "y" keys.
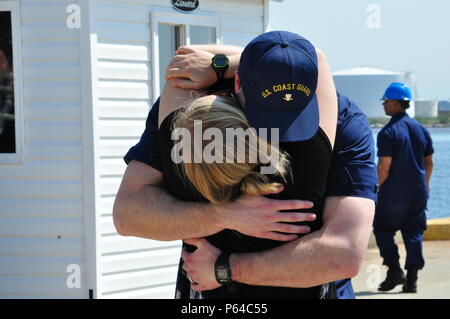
{"x": 230, "y": 157}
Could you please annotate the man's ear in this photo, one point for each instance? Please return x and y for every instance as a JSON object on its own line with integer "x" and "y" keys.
{"x": 238, "y": 89}
{"x": 237, "y": 83}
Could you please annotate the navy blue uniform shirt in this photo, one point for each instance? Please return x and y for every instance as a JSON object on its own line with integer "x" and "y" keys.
{"x": 352, "y": 172}
{"x": 408, "y": 143}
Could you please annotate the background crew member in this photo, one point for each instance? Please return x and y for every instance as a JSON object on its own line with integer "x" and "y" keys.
{"x": 404, "y": 170}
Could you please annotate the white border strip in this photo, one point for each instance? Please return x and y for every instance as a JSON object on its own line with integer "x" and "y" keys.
{"x": 91, "y": 195}
{"x": 18, "y": 156}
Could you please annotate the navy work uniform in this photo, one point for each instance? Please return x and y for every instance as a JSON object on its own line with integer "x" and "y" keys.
{"x": 402, "y": 199}
{"x": 352, "y": 172}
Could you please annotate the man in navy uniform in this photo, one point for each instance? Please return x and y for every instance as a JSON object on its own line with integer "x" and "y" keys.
{"x": 404, "y": 170}
{"x": 143, "y": 209}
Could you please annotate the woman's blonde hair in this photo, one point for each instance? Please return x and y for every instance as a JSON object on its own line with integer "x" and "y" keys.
{"x": 218, "y": 181}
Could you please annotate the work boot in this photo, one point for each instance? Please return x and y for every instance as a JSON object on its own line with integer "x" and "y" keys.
{"x": 410, "y": 286}
{"x": 395, "y": 276}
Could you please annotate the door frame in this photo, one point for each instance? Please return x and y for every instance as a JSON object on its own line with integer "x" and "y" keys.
{"x": 181, "y": 19}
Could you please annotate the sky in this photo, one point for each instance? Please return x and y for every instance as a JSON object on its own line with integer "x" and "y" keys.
{"x": 399, "y": 35}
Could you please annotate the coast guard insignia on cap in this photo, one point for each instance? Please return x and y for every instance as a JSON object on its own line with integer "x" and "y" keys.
{"x": 288, "y": 97}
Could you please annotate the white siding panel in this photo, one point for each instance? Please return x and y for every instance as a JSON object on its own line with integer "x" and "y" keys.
{"x": 51, "y": 51}
{"x": 247, "y": 7}
{"x": 237, "y": 7}
{"x": 127, "y": 52}
{"x": 68, "y": 109}
{"x": 112, "y": 166}
{"x": 115, "y": 11}
{"x": 121, "y": 129}
{"x": 72, "y": 294}
{"x": 40, "y": 10}
{"x": 55, "y": 12}
{"x": 110, "y": 185}
{"x": 58, "y": 30}
{"x": 237, "y": 38}
{"x": 45, "y": 169}
{"x": 123, "y": 90}
{"x": 166, "y": 291}
{"x": 123, "y": 32}
{"x": 124, "y": 109}
{"x": 53, "y": 131}
{"x": 107, "y": 226}
{"x": 106, "y": 205}
{"x": 43, "y": 71}
{"x": 44, "y": 188}
{"x": 40, "y": 207}
{"x": 222, "y": 7}
{"x": 52, "y": 227}
{"x": 24, "y": 265}
{"x": 40, "y": 247}
{"x": 51, "y": 90}
{"x": 114, "y": 245}
{"x": 117, "y": 147}
{"x": 245, "y": 25}
{"x": 141, "y": 260}
{"x": 123, "y": 71}
{"x": 138, "y": 279}
{"x": 36, "y": 149}
{"x": 26, "y": 285}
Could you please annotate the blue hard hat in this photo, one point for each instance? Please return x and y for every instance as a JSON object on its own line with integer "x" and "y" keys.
{"x": 397, "y": 91}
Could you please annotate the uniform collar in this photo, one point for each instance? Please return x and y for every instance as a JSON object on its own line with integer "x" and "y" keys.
{"x": 399, "y": 116}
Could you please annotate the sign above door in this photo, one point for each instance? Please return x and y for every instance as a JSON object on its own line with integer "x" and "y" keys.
{"x": 185, "y": 5}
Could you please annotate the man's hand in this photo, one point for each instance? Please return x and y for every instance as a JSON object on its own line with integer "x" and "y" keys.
{"x": 259, "y": 216}
{"x": 191, "y": 69}
{"x": 383, "y": 167}
{"x": 199, "y": 265}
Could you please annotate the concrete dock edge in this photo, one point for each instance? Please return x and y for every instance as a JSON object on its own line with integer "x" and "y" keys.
{"x": 438, "y": 229}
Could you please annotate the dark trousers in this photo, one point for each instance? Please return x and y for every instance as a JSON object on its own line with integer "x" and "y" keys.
{"x": 410, "y": 218}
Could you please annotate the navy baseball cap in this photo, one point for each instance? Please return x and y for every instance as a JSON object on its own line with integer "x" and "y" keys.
{"x": 278, "y": 72}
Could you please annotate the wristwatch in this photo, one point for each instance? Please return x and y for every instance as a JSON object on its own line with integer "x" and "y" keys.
{"x": 220, "y": 65}
{"x": 222, "y": 269}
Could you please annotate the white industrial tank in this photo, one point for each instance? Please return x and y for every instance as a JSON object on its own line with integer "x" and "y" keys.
{"x": 426, "y": 108}
{"x": 366, "y": 85}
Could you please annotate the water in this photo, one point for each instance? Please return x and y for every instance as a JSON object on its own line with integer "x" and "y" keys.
{"x": 439, "y": 202}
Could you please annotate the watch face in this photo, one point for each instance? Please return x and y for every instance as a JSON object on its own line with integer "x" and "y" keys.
{"x": 222, "y": 273}
{"x": 220, "y": 61}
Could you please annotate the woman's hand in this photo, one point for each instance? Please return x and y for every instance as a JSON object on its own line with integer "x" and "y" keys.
{"x": 199, "y": 265}
{"x": 259, "y": 216}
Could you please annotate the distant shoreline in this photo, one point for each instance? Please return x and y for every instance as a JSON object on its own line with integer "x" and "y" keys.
{"x": 443, "y": 121}
{"x": 437, "y": 125}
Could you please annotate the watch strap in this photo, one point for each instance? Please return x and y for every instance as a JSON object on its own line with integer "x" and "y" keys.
{"x": 220, "y": 74}
{"x": 220, "y": 71}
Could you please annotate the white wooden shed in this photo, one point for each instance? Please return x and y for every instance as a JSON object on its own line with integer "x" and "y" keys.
{"x": 85, "y": 75}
